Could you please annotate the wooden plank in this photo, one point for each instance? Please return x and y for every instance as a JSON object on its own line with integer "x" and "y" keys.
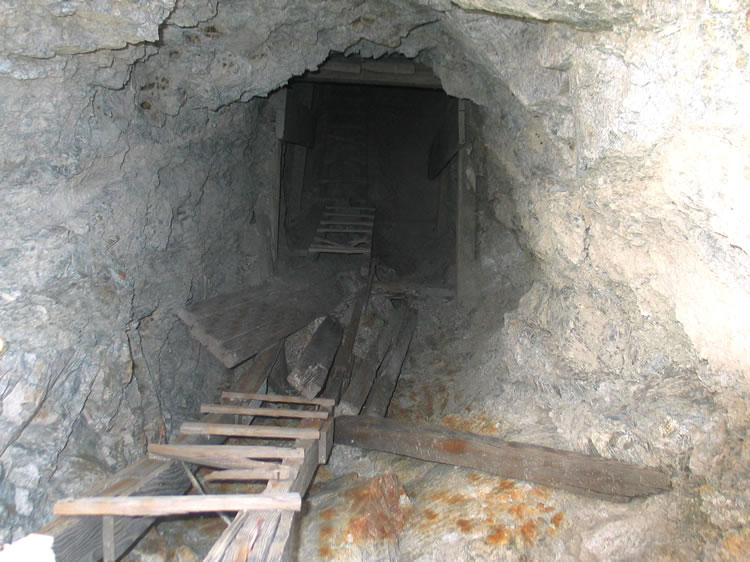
{"x": 420, "y": 78}
{"x": 310, "y": 373}
{"x": 568, "y": 470}
{"x": 347, "y": 223}
{"x": 158, "y": 506}
{"x": 278, "y": 398}
{"x": 80, "y": 539}
{"x": 364, "y": 372}
{"x": 226, "y": 463}
{"x": 234, "y": 327}
{"x": 344, "y": 230}
{"x": 108, "y": 539}
{"x": 380, "y": 396}
{"x": 344, "y": 361}
{"x": 259, "y": 537}
{"x": 261, "y": 412}
{"x": 279, "y": 472}
{"x": 228, "y": 451}
{"x": 239, "y": 430}
{"x": 332, "y": 250}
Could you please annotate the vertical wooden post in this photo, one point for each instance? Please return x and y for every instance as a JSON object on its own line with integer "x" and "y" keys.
{"x": 108, "y": 539}
{"x": 465, "y": 215}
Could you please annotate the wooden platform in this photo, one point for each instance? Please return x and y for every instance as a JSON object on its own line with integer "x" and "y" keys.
{"x": 345, "y": 230}
{"x": 235, "y": 327}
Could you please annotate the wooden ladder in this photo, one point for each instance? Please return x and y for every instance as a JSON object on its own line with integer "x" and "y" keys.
{"x": 285, "y": 457}
{"x": 345, "y": 230}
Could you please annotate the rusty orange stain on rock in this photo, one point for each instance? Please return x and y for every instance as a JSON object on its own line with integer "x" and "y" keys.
{"x": 557, "y": 519}
{"x": 464, "y": 525}
{"x": 429, "y": 514}
{"x": 326, "y": 531}
{"x": 528, "y": 531}
{"x": 499, "y": 535}
{"x": 328, "y": 513}
{"x": 325, "y": 552}
{"x": 540, "y": 492}
{"x": 505, "y": 484}
{"x": 453, "y": 446}
{"x": 448, "y": 497}
{"x": 519, "y": 510}
{"x": 474, "y": 476}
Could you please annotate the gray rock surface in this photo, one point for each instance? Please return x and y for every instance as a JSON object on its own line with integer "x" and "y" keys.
{"x": 135, "y": 162}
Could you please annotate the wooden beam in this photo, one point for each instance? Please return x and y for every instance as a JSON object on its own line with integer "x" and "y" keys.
{"x": 279, "y": 472}
{"x": 419, "y": 79}
{"x": 325, "y": 402}
{"x": 576, "y": 472}
{"x": 380, "y": 396}
{"x": 261, "y": 412}
{"x": 239, "y": 430}
{"x": 80, "y": 539}
{"x": 344, "y": 361}
{"x": 364, "y": 371}
{"x": 310, "y": 373}
{"x": 158, "y": 506}
{"x": 227, "y": 451}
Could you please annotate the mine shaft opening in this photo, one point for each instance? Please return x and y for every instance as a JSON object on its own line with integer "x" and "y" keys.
{"x": 588, "y": 237}
{"x": 380, "y": 133}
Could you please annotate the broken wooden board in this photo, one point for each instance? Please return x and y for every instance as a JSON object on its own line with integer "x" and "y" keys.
{"x": 310, "y": 374}
{"x": 594, "y": 476}
{"x": 363, "y": 375}
{"x": 344, "y": 360}
{"x": 380, "y": 395}
{"x": 235, "y": 327}
{"x": 79, "y": 539}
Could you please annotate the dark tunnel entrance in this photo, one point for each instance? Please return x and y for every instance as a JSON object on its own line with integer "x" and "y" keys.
{"x": 359, "y": 141}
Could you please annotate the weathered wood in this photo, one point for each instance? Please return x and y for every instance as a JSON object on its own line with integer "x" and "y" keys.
{"x": 445, "y": 144}
{"x": 421, "y": 78}
{"x": 227, "y": 463}
{"x": 279, "y": 472}
{"x": 309, "y": 376}
{"x": 234, "y": 327}
{"x": 239, "y": 430}
{"x": 261, "y": 412}
{"x": 157, "y": 506}
{"x": 108, "y": 539}
{"x": 344, "y": 360}
{"x": 227, "y": 451}
{"x": 380, "y": 396}
{"x": 325, "y": 402}
{"x": 80, "y": 539}
{"x": 364, "y": 371}
{"x": 253, "y": 536}
{"x": 576, "y": 472}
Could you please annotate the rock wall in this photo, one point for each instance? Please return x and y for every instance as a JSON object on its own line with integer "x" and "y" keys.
{"x": 619, "y": 164}
{"x": 118, "y": 205}
{"x": 135, "y": 177}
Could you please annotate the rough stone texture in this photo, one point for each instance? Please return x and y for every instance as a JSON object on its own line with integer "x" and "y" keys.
{"x": 613, "y": 140}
